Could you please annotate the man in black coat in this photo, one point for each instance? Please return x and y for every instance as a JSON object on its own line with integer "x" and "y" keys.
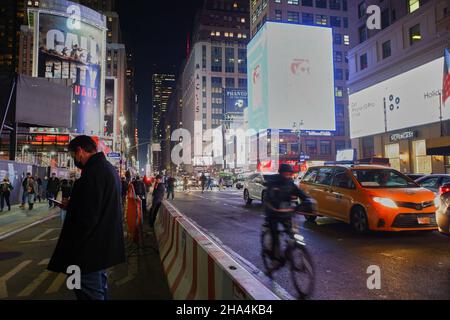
{"x": 158, "y": 197}
{"x": 52, "y": 189}
{"x": 92, "y": 236}
{"x": 139, "y": 189}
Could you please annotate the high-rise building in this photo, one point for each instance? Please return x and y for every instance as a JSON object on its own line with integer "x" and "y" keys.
{"x": 12, "y": 16}
{"x": 396, "y": 85}
{"x": 329, "y": 13}
{"x": 217, "y": 61}
{"x": 162, "y": 87}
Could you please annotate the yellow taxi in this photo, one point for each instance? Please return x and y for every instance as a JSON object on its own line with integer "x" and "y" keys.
{"x": 370, "y": 197}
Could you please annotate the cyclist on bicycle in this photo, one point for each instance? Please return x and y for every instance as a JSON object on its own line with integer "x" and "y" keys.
{"x": 279, "y": 208}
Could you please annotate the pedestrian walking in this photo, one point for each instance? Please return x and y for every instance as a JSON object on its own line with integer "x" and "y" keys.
{"x": 171, "y": 187}
{"x": 209, "y": 184}
{"x": 139, "y": 188}
{"x": 185, "y": 184}
{"x": 123, "y": 190}
{"x": 44, "y": 188}
{"x": 52, "y": 189}
{"x": 31, "y": 192}
{"x": 25, "y": 183}
{"x": 66, "y": 190}
{"x": 39, "y": 190}
{"x": 5, "y": 190}
{"x": 92, "y": 236}
{"x": 221, "y": 182}
{"x": 203, "y": 181}
{"x": 158, "y": 196}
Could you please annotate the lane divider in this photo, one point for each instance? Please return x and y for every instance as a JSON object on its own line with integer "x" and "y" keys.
{"x": 197, "y": 267}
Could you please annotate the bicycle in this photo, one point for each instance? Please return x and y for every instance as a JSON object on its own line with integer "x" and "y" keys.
{"x": 296, "y": 254}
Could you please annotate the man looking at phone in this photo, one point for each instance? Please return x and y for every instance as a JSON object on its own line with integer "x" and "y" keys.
{"x": 92, "y": 235}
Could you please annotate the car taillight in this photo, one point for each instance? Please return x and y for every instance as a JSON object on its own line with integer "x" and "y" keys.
{"x": 444, "y": 190}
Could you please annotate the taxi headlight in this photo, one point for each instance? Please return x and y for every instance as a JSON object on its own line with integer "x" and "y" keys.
{"x": 387, "y": 202}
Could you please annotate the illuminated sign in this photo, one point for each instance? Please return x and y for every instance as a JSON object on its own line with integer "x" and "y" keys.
{"x": 291, "y": 77}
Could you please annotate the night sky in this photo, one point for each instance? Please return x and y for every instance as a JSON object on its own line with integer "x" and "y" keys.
{"x": 156, "y": 31}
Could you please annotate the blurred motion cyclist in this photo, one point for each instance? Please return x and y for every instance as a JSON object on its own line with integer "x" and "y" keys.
{"x": 279, "y": 208}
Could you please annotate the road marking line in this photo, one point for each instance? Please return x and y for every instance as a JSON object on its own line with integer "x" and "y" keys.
{"x": 44, "y": 262}
{"x": 39, "y": 237}
{"x": 34, "y": 284}
{"x": 57, "y": 283}
{"x": 9, "y": 275}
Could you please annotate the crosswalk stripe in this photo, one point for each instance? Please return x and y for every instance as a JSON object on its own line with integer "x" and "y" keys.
{"x": 34, "y": 284}
{"x": 9, "y": 275}
{"x": 57, "y": 283}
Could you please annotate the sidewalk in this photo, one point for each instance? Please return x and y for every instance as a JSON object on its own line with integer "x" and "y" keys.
{"x": 17, "y": 220}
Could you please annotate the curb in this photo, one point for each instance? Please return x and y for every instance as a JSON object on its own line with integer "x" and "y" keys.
{"x": 9, "y": 234}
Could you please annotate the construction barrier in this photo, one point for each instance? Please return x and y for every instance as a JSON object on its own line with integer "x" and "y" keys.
{"x": 197, "y": 268}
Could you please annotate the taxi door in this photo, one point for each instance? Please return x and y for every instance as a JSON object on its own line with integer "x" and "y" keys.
{"x": 343, "y": 192}
{"x": 320, "y": 190}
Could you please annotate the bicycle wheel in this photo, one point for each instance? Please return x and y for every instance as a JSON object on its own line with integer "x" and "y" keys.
{"x": 266, "y": 252}
{"x": 302, "y": 271}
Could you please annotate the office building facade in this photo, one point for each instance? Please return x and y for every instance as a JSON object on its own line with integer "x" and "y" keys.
{"x": 405, "y": 57}
{"x": 324, "y": 13}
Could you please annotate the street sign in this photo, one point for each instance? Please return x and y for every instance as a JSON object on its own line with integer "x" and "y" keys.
{"x": 114, "y": 155}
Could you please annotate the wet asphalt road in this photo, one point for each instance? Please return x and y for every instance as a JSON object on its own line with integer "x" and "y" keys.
{"x": 414, "y": 265}
{"x": 23, "y": 275}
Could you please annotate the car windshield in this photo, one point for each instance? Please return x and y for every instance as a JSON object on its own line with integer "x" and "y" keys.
{"x": 383, "y": 178}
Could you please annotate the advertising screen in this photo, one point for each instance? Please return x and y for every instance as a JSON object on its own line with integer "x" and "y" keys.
{"x": 110, "y": 109}
{"x": 407, "y": 100}
{"x": 235, "y": 100}
{"x": 291, "y": 77}
{"x": 70, "y": 48}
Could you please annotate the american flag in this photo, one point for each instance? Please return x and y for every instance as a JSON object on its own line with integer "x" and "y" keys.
{"x": 446, "y": 87}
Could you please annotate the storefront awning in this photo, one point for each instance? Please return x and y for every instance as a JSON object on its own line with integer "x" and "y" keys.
{"x": 438, "y": 146}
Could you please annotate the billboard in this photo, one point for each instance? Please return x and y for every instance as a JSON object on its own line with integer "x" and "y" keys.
{"x": 70, "y": 47}
{"x": 407, "y": 100}
{"x": 235, "y": 101}
{"x": 110, "y": 109}
{"x": 37, "y": 94}
{"x": 291, "y": 77}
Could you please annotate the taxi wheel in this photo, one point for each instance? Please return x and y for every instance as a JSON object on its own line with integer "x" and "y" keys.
{"x": 359, "y": 221}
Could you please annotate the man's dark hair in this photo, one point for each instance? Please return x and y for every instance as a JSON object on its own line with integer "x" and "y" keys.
{"x": 84, "y": 142}
{"x": 158, "y": 177}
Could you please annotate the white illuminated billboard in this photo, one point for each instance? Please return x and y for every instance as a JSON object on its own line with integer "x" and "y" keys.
{"x": 407, "y": 100}
{"x": 291, "y": 77}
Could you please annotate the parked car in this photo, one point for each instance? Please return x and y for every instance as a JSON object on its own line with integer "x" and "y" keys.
{"x": 228, "y": 182}
{"x": 415, "y": 176}
{"x": 433, "y": 181}
{"x": 370, "y": 197}
{"x": 443, "y": 209}
{"x": 255, "y": 187}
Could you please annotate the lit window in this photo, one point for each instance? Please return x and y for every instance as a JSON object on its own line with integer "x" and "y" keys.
{"x": 414, "y": 34}
{"x": 413, "y": 5}
{"x": 242, "y": 20}
{"x": 217, "y": 33}
{"x": 346, "y": 39}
